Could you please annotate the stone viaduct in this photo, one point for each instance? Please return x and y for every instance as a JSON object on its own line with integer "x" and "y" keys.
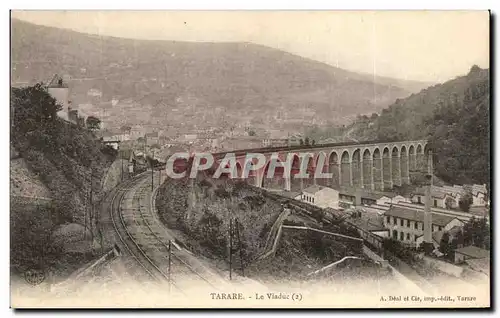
{"x": 371, "y": 165}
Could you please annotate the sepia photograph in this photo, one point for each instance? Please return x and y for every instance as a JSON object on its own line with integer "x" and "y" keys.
{"x": 250, "y": 159}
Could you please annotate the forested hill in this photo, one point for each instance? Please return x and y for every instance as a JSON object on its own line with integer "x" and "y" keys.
{"x": 453, "y": 116}
{"x": 244, "y": 79}
{"x": 71, "y": 163}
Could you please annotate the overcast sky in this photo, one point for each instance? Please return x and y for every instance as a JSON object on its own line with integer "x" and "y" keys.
{"x": 427, "y": 46}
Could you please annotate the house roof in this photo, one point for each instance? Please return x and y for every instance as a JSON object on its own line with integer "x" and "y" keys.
{"x": 369, "y": 222}
{"x": 473, "y": 252}
{"x": 418, "y": 215}
{"x": 435, "y": 193}
{"x": 313, "y": 189}
{"x": 392, "y": 195}
{"x": 440, "y": 192}
{"x": 112, "y": 139}
{"x": 57, "y": 82}
{"x": 365, "y": 194}
{"x": 290, "y": 194}
{"x": 438, "y": 235}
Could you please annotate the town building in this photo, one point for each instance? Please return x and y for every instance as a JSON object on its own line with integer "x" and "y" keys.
{"x": 479, "y": 195}
{"x": 267, "y": 142}
{"x": 115, "y": 144}
{"x": 438, "y": 235}
{"x": 450, "y": 196}
{"x": 152, "y": 138}
{"x": 438, "y": 199}
{"x": 323, "y": 197}
{"x": 407, "y": 225}
{"x": 365, "y": 197}
{"x": 59, "y": 90}
{"x": 369, "y": 225}
{"x": 94, "y": 92}
{"x": 388, "y": 199}
{"x": 136, "y": 131}
{"x": 294, "y": 140}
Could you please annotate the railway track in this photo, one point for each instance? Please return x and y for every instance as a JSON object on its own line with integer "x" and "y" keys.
{"x": 181, "y": 266}
{"x": 126, "y": 239}
{"x": 143, "y": 238}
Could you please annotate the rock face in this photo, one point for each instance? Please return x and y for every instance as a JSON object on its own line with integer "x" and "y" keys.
{"x": 24, "y": 182}
{"x": 73, "y": 237}
{"x": 203, "y": 212}
{"x": 114, "y": 175}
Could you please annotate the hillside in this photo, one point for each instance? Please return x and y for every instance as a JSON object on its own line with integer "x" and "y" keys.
{"x": 51, "y": 158}
{"x": 453, "y": 116}
{"x": 154, "y": 79}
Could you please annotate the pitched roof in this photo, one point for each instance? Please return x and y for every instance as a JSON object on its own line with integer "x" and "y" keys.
{"x": 313, "y": 189}
{"x": 435, "y": 193}
{"x": 439, "y": 195}
{"x": 57, "y": 82}
{"x": 369, "y": 222}
{"x": 438, "y": 235}
{"x": 473, "y": 251}
{"x": 417, "y": 215}
{"x": 290, "y": 194}
{"x": 365, "y": 194}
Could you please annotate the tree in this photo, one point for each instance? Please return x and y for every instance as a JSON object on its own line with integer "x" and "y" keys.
{"x": 126, "y": 129}
{"x": 475, "y": 69}
{"x": 313, "y": 142}
{"x": 306, "y": 141}
{"x": 448, "y": 203}
{"x": 454, "y": 117}
{"x": 252, "y": 133}
{"x": 477, "y": 233}
{"x": 444, "y": 243}
{"x": 460, "y": 239}
{"x": 465, "y": 202}
{"x": 450, "y": 255}
{"x": 93, "y": 123}
{"x": 33, "y": 107}
{"x": 301, "y": 141}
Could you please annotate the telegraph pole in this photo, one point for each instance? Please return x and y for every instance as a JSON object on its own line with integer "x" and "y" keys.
{"x": 169, "y": 265}
{"x": 152, "y": 171}
{"x": 121, "y": 159}
{"x": 239, "y": 244}
{"x": 91, "y": 200}
{"x": 428, "y": 246}
{"x": 89, "y": 207}
{"x": 230, "y": 248}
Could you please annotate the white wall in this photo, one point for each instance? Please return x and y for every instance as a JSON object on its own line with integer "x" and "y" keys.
{"x": 327, "y": 198}
{"x": 383, "y": 200}
{"x": 61, "y": 94}
{"x": 455, "y": 222}
{"x": 478, "y": 200}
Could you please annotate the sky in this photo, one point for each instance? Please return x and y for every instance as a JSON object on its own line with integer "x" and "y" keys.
{"x": 430, "y": 46}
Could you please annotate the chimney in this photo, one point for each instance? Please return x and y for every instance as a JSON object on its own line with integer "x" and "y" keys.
{"x": 428, "y": 246}
{"x": 357, "y": 201}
